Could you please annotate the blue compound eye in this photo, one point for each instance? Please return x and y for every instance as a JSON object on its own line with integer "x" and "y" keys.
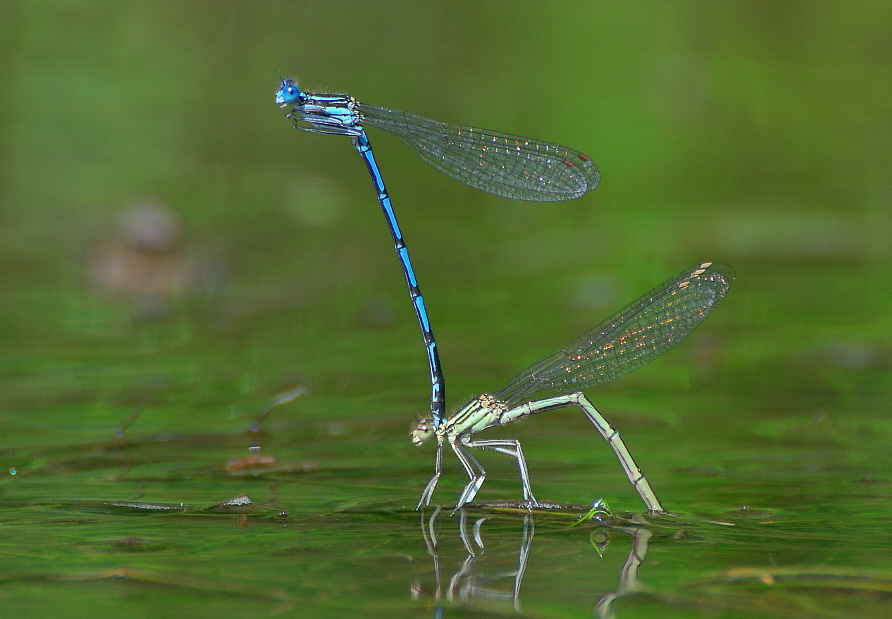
{"x": 288, "y": 92}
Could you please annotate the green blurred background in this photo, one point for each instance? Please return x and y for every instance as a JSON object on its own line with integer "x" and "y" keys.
{"x": 173, "y": 253}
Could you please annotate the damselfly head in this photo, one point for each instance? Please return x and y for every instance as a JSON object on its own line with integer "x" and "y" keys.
{"x": 422, "y": 431}
{"x": 288, "y": 93}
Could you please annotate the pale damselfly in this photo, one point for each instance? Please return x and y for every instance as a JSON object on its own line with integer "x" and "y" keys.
{"x": 627, "y": 340}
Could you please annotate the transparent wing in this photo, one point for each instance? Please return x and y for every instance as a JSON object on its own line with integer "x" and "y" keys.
{"x": 630, "y": 338}
{"x": 506, "y": 165}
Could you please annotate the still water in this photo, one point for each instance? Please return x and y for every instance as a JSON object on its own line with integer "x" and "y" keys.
{"x": 210, "y": 365}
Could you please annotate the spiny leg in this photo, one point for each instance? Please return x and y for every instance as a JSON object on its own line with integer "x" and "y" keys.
{"x": 432, "y": 484}
{"x": 511, "y": 448}
{"x": 469, "y": 462}
{"x": 610, "y": 434}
